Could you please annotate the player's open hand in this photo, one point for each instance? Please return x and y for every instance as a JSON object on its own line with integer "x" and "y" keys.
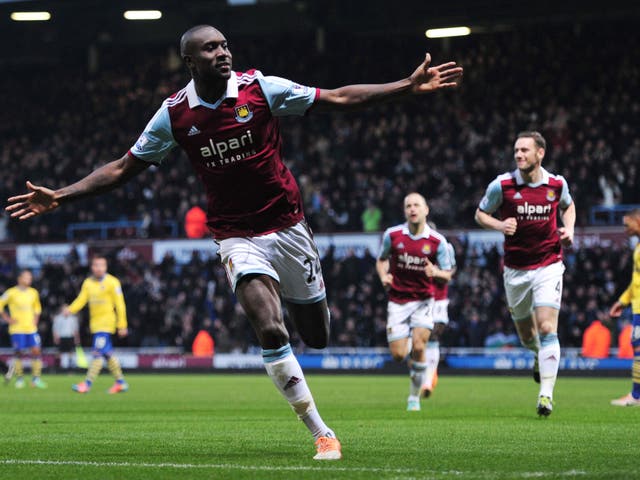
{"x": 123, "y": 332}
{"x": 427, "y": 79}
{"x": 566, "y": 236}
{"x": 509, "y": 226}
{"x": 39, "y": 200}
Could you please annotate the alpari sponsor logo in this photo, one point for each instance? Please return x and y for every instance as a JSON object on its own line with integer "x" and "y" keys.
{"x": 411, "y": 262}
{"x": 219, "y": 153}
{"x": 530, "y": 211}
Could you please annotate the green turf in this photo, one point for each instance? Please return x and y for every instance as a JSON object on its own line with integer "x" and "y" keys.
{"x": 238, "y": 427}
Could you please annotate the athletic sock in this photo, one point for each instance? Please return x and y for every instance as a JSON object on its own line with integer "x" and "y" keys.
{"x": 285, "y": 372}
{"x": 635, "y": 392}
{"x": 36, "y": 367}
{"x": 432, "y": 356}
{"x": 549, "y": 361}
{"x": 19, "y": 369}
{"x": 94, "y": 370}
{"x": 114, "y": 367}
{"x": 417, "y": 372}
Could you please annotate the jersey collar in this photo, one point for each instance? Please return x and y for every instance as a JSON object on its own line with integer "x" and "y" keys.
{"x": 195, "y": 100}
{"x": 520, "y": 181}
{"x": 426, "y": 233}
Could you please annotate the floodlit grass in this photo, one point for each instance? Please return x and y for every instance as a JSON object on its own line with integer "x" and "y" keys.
{"x": 238, "y": 427}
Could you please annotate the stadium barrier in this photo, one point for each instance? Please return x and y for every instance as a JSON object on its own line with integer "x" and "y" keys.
{"x": 343, "y": 244}
{"x": 340, "y": 359}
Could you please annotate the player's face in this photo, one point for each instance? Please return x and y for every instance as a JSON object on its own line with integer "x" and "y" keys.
{"x": 631, "y": 224}
{"x": 209, "y": 55}
{"x": 25, "y": 279}
{"x": 415, "y": 209}
{"x": 98, "y": 267}
{"x": 527, "y": 155}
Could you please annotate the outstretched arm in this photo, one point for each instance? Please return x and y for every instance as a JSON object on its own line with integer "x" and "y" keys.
{"x": 40, "y": 200}
{"x": 425, "y": 79}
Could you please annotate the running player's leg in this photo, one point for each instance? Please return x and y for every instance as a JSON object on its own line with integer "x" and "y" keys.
{"x": 518, "y": 290}
{"x": 633, "y": 398}
{"x": 18, "y": 341}
{"x": 417, "y": 365}
{"x": 36, "y": 362}
{"x": 113, "y": 364}
{"x": 259, "y": 295}
{"x": 547, "y": 295}
{"x": 99, "y": 341}
{"x": 432, "y": 352}
{"x": 311, "y": 321}
{"x": 549, "y": 354}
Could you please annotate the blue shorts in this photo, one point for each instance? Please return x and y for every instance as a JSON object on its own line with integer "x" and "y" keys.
{"x": 635, "y": 333}
{"x": 24, "y": 341}
{"x": 102, "y": 343}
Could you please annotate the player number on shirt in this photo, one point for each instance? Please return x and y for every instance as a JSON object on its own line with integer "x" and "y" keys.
{"x": 312, "y": 270}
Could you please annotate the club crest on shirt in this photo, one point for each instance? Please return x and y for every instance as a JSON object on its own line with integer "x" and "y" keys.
{"x": 243, "y": 114}
{"x": 551, "y": 195}
{"x": 426, "y": 249}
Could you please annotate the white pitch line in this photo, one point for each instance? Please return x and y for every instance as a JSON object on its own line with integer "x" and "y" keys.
{"x": 221, "y": 466}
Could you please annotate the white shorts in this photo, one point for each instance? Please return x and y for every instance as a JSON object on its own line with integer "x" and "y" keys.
{"x": 441, "y": 311}
{"x": 288, "y": 256}
{"x": 403, "y": 317}
{"x": 527, "y": 289}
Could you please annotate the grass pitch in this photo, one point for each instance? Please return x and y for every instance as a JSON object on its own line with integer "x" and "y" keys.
{"x": 238, "y": 427}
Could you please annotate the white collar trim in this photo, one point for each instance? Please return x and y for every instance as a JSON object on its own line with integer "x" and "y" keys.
{"x": 195, "y": 100}
{"x": 426, "y": 233}
{"x": 520, "y": 180}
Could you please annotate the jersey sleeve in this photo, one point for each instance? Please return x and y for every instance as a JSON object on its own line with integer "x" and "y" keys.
{"x": 120, "y": 307}
{"x": 81, "y": 300}
{"x": 443, "y": 257}
{"x": 37, "y": 306}
{"x": 565, "y": 196}
{"x": 4, "y": 300}
{"x": 492, "y": 198}
{"x": 385, "y": 246}
{"x": 452, "y": 255}
{"x": 157, "y": 140}
{"x": 286, "y": 97}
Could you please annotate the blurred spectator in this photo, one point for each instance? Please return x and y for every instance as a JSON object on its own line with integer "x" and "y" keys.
{"x": 203, "y": 344}
{"x": 371, "y": 218}
{"x": 625, "y": 348}
{"x": 195, "y": 222}
{"x": 448, "y": 151}
{"x": 596, "y": 340}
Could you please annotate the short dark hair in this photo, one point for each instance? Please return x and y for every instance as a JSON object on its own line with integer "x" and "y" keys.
{"x": 188, "y": 35}
{"x": 537, "y": 138}
{"x": 98, "y": 256}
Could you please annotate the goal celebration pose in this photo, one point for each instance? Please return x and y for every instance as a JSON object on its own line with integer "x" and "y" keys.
{"x": 227, "y": 124}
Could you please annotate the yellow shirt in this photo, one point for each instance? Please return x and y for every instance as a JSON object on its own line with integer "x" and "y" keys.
{"x": 106, "y": 304}
{"x": 24, "y": 309}
{"x": 632, "y": 294}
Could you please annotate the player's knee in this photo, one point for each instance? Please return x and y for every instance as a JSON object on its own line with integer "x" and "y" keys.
{"x": 546, "y": 327}
{"x": 272, "y": 335}
{"x": 417, "y": 352}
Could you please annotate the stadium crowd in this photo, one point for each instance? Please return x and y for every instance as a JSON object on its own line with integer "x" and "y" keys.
{"x": 168, "y": 304}
{"x": 446, "y": 146}
{"x": 354, "y": 169}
